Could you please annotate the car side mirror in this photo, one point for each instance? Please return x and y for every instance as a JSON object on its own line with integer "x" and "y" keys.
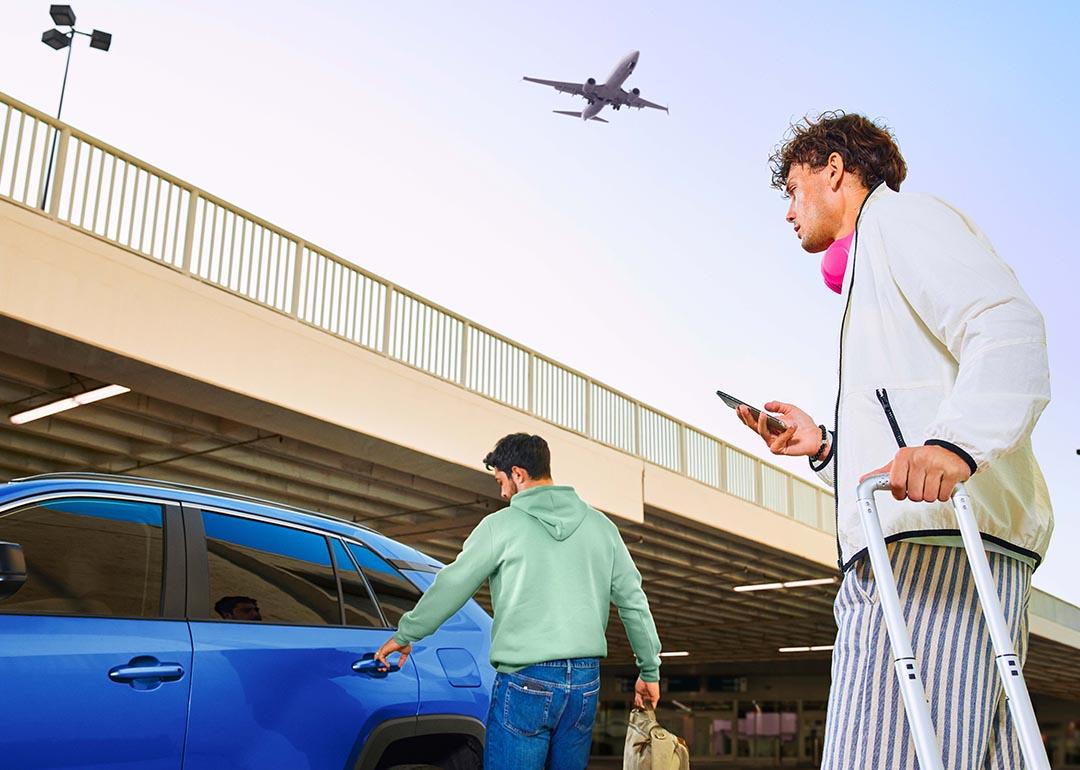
{"x": 12, "y": 569}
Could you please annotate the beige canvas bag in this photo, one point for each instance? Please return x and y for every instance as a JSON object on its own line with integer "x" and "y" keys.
{"x": 650, "y": 747}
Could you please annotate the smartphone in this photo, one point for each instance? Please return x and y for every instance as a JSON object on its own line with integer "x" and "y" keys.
{"x": 775, "y": 425}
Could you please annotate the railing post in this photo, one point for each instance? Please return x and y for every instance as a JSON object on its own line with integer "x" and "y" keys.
{"x": 463, "y": 369}
{"x": 682, "y": 449}
{"x": 386, "y": 319}
{"x": 721, "y": 458}
{"x": 637, "y": 430}
{"x": 298, "y": 271}
{"x": 530, "y": 385}
{"x": 58, "y": 178}
{"x": 759, "y": 482}
{"x": 189, "y": 231}
{"x": 791, "y": 496}
{"x": 588, "y": 409}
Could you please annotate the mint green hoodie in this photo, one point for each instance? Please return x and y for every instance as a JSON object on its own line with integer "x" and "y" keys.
{"x": 555, "y": 566}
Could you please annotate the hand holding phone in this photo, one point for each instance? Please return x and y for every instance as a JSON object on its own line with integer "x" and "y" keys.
{"x": 796, "y": 435}
{"x": 775, "y": 424}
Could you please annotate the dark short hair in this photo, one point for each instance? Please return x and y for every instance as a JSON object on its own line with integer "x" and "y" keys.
{"x": 520, "y": 450}
{"x": 868, "y": 149}
{"x": 226, "y": 605}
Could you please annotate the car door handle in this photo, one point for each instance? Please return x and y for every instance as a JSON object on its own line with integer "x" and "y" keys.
{"x": 372, "y": 666}
{"x": 168, "y": 672}
{"x": 146, "y": 673}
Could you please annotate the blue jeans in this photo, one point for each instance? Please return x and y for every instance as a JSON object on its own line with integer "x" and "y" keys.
{"x": 542, "y": 716}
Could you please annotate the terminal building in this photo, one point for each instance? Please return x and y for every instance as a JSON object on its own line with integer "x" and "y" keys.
{"x": 260, "y": 364}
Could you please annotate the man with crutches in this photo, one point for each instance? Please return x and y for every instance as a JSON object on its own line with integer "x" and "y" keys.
{"x": 942, "y": 375}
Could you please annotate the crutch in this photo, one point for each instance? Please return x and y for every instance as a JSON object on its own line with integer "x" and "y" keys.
{"x": 911, "y": 687}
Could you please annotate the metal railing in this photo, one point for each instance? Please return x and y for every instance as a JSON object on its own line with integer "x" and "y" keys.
{"x": 103, "y": 191}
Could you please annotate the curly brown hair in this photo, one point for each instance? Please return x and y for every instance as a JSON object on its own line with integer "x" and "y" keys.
{"x": 867, "y": 148}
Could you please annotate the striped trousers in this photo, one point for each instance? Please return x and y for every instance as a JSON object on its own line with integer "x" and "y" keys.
{"x": 866, "y": 728}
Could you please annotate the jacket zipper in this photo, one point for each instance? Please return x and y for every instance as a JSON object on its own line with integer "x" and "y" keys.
{"x": 883, "y": 398}
{"x": 840, "y": 383}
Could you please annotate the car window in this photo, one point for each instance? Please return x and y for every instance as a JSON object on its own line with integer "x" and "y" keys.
{"x": 262, "y": 572}
{"x": 396, "y": 595}
{"x": 88, "y": 556}
{"x": 360, "y": 608}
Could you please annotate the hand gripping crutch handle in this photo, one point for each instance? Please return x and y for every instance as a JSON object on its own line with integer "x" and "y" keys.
{"x": 1008, "y": 662}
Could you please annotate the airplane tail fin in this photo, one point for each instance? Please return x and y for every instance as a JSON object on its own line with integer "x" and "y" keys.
{"x": 573, "y": 114}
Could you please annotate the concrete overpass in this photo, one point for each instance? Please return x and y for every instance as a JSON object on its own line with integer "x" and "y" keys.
{"x": 263, "y": 364}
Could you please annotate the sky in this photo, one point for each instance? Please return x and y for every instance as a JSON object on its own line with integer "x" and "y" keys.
{"x": 651, "y": 252}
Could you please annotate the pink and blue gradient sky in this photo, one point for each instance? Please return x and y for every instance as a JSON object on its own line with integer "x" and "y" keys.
{"x": 651, "y": 252}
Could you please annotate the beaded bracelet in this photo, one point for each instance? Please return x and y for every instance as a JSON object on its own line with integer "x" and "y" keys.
{"x": 824, "y": 443}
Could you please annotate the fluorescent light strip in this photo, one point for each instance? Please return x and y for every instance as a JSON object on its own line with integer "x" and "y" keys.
{"x": 815, "y": 648}
{"x": 674, "y": 654}
{"x": 815, "y": 582}
{"x": 64, "y": 404}
{"x": 788, "y": 584}
{"x": 760, "y": 587}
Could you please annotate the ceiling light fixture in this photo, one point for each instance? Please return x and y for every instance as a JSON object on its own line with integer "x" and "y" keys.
{"x": 89, "y": 397}
{"x": 788, "y": 584}
{"x": 815, "y": 648}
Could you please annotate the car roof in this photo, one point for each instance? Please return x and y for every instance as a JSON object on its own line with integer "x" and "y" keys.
{"x": 169, "y": 491}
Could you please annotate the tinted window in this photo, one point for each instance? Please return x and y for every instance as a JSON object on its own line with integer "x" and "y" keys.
{"x": 360, "y": 609}
{"x": 268, "y": 573}
{"x": 396, "y": 595}
{"x": 88, "y": 556}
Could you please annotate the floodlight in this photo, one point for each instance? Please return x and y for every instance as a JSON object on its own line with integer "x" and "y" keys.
{"x": 54, "y": 38}
{"x": 62, "y": 15}
{"x": 100, "y": 40}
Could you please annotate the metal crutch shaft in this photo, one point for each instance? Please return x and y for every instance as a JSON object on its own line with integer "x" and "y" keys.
{"x": 1008, "y": 663}
{"x": 907, "y": 670}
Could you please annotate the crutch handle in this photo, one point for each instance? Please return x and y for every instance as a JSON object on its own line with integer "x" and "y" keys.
{"x": 871, "y": 484}
{"x": 880, "y": 482}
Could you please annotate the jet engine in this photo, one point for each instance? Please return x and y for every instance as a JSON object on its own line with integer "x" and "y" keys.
{"x": 635, "y": 91}
{"x": 590, "y": 85}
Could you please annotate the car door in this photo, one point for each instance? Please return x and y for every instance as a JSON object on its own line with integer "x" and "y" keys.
{"x": 95, "y": 655}
{"x": 283, "y": 667}
{"x": 455, "y": 675}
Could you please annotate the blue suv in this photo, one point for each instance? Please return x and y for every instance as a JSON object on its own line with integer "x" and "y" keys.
{"x": 154, "y": 625}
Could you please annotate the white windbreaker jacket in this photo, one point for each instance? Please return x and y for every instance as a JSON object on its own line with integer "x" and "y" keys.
{"x": 934, "y": 317}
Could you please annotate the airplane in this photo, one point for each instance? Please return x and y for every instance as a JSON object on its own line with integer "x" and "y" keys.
{"x": 600, "y": 95}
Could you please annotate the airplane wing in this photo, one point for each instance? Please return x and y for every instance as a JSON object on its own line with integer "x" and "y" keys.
{"x": 577, "y": 89}
{"x": 632, "y": 100}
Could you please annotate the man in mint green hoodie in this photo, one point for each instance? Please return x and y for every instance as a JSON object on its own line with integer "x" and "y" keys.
{"x": 555, "y": 566}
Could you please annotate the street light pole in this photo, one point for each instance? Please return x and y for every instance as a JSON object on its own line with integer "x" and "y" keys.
{"x": 63, "y": 16}
{"x": 59, "y": 110}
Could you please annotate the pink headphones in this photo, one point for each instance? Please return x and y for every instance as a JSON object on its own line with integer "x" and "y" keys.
{"x": 834, "y": 263}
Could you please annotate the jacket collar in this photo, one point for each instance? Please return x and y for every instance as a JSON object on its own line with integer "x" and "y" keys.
{"x": 879, "y": 191}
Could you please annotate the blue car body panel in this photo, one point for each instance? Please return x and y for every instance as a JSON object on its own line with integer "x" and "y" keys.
{"x": 442, "y": 675}
{"x": 288, "y": 695}
{"x": 62, "y": 709}
{"x": 251, "y": 694}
